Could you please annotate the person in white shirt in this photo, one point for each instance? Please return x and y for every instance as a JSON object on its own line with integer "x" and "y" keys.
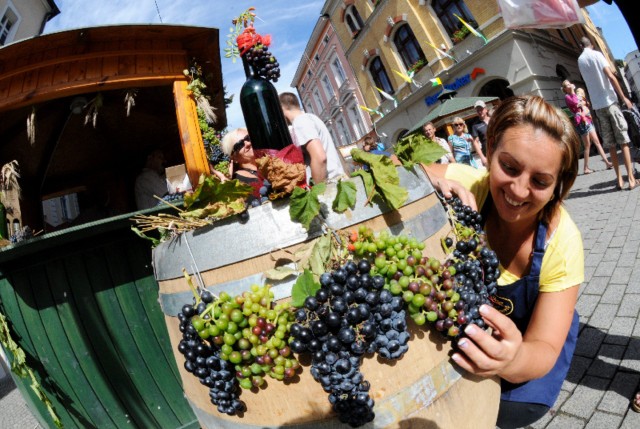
{"x": 313, "y": 137}
{"x": 604, "y": 91}
{"x": 429, "y": 131}
{"x": 151, "y": 181}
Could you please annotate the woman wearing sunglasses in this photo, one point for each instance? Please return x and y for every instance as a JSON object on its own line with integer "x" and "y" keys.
{"x": 462, "y": 144}
{"x": 236, "y": 145}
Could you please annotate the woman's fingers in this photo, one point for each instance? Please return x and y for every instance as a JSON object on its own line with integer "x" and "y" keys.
{"x": 485, "y": 353}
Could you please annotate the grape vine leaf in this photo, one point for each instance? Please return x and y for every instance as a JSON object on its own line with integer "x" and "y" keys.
{"x": 320, "y": 254}
{"x": 280, "y": 273}
{"x": 385, "y": 178}
{"x": 304, "y": 205}
{"x": 345, "y": 197}
{"x": 369, "y": 184}
{"x": 213, "y": 198}
{"x": 154, "y": 241}
{"x": 304, "y": 286}
{"x": 417, "y": 148}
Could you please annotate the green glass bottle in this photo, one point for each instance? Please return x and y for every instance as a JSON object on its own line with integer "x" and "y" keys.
{"x": 262, "y": 112}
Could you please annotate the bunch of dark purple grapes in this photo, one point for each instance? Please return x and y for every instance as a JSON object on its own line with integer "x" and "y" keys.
{"x": 350, "y": 315}
{"x": 215, "y": 153}
{"x": 263, "y": 62}
{"x": 203, "y": 361}
{"x": 476, "y": 267}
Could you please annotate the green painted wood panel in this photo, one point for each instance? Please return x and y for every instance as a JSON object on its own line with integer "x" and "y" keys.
{"x": 86, "y": 313}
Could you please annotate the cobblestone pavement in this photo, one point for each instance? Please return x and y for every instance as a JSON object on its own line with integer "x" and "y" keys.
{"x": 605, "y": 372}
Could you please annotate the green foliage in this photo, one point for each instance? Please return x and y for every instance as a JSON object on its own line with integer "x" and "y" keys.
{"x": 345, "y": 197}
{"x": 382, "y": 178}
{"x": 416, "y": 148}
{"x": 246, "y": 18}
{"x": 304, "y": 286}
{"x": 304, "y": 205}
{"x": 19, "y": 367}
{"x": 215, "y": 199}
{"x": 417, "y": 66}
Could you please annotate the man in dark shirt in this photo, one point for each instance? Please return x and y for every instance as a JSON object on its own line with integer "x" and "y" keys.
{"x": 479, "y": 129}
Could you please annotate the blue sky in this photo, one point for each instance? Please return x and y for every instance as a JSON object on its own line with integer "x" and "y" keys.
{"x": 614, "y": 28}
{"x": 289, "y": 22}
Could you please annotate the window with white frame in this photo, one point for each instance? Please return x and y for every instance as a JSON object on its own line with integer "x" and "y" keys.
{"x": 408, "y": 47}
{"x": 7, "y": 24}
{"x": 353, "y": 20}
{"x": 345, "y": 136}
{"x": 316, "y": 96}
{"x": 328, "y": 87}
{"x": 356, "y": 120}
{"x": 380, "y": 76}
{"x": 445, "y": 10}
{"x": 333, "y": 136}
{"x": 309, "y": 108}
{"x": 338, "y": 71}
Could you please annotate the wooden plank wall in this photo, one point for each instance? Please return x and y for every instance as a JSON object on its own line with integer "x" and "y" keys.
{"x": 93, "y": 331}
{"x": 49, "y": 73}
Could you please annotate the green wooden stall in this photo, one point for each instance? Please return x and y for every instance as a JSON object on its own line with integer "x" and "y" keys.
{"x": 83, "y": 305}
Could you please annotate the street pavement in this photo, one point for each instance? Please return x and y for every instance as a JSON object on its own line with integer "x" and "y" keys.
{"x": 605, "y": 372}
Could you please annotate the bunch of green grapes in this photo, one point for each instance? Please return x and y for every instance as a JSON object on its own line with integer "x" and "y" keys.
{"x": 445, "y": 293}
{"x": 391, "y": 256}
{"x": 251, "y": 332}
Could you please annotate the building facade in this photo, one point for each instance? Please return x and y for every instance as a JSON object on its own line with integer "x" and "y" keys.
{"x": 632, "y": 73}
{"x": 327, "y": 87}
{"x": 21, "y": 19}
{"x": 404, "y": 54}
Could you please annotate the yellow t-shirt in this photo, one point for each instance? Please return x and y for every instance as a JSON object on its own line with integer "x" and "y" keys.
{"x": 563, "y": 261}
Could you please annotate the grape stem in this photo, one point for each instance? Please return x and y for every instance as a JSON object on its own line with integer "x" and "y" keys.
{"x": 196, "y": 295}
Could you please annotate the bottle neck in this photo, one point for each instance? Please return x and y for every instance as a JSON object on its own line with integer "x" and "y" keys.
{"x": 248, "y": 70}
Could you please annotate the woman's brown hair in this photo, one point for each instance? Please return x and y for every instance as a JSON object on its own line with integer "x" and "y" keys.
{"x": 535, "y": 111}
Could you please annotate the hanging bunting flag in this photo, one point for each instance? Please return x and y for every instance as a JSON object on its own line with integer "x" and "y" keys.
{"x": 405, "y": 77}
{"x": 435, "y": 81}
{"x": 388, "y": 97}
{"x": 443, "y": 53}
{"x": 472, "y": 30}
{"x": 372, "y": 111}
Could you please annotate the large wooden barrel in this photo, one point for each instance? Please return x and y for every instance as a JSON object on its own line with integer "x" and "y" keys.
{"x": 421, "y": 390}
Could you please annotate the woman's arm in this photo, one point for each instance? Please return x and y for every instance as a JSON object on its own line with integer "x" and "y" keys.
{"x": 506, "y": 353}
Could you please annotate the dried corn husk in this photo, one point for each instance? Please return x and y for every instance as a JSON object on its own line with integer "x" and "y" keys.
{"x": 92, "y": 110}
{"x": 203, "y": 103}
{"x": 10, "y": 173}
{"x": 31, "y": 126}
{"x": 130, "y": 100}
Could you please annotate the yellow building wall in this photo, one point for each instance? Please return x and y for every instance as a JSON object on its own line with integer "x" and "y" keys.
{"x": 426, "y": 27}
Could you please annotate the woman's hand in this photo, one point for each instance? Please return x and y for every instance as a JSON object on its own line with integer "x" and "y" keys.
{"x": 487, "y": 354}
{"x": 449, "y": 187}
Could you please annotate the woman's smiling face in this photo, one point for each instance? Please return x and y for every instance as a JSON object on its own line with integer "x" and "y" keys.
{"x": 523, "y": 173}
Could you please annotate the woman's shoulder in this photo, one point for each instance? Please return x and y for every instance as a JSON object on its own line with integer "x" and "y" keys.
{"x": 564, "y": 230}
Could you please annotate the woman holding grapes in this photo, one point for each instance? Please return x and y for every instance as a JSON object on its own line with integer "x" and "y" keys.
{"x": 532, "y": 162}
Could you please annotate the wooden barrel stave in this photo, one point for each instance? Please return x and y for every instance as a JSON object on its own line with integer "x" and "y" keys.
{"x": 423, "y": 389}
